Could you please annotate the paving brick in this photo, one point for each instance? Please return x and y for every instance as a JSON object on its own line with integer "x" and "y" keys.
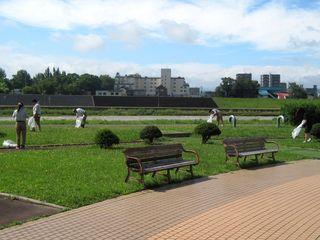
{"x": 279, "y": 202}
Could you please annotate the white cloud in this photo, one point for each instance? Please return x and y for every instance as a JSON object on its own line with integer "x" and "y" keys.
{"x": 197, "y": 74}
{"x": 272, "y": 26}
{"x": 85, "y": 43}
{"x": 181, "y": 32}
{"x": 130, "y": 33}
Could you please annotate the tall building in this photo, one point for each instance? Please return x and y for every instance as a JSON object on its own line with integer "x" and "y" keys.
{"x": 136, "y": 84}
{"x": 275, "y": 80}
{"x": 244, "y": 76}
{"x": 271, "y": 80}
{"x": 166, "y": 79}
{"x": 265, "y": 80}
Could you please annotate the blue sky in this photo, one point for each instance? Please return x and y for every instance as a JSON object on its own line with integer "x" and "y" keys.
{"x": 201, "y": 40}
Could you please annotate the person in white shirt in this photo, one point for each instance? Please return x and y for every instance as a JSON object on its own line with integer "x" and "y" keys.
{"x": 215, "y": 113}
{"x": 20, "y": 116}
{"x": 81, "y": 113}
{"x": 36, "y": 112}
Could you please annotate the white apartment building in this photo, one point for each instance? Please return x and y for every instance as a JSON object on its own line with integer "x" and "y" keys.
{"x": 176, "y": 86}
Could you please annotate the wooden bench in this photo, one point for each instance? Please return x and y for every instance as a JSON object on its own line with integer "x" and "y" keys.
{"x": 145, "y": 160}
{"x": 249, "y": 146}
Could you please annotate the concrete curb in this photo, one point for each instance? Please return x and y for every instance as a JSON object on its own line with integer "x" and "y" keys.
{"x": 30, "y": 200}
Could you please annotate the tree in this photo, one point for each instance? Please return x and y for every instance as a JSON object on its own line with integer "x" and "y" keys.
{"x": 4, "y": 86}
{"x": 245, "y": 88}
{"x": 88, "y": 82}
{"x": 107, "y": 82}
{"x": 225, "y": 87}
{"x": 21, "y": 79}
{"x": 296, "y": 91}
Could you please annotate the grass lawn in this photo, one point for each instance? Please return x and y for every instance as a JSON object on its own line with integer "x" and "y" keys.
{"x": 74, "y": 177}
{"x": 251, "y": 103}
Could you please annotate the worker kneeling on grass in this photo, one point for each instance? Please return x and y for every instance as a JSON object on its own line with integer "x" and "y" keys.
{"x": 81, "y": 117}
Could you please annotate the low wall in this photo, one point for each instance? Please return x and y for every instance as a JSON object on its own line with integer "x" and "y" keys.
{"x": 106, "y": 101}
{"x": 47, "y": 100}
{"x": 154, "y": 102}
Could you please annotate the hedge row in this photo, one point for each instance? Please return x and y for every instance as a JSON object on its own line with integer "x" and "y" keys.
{"x": 291, "y": 111}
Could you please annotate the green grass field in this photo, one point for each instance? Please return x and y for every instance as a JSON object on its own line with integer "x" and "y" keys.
{"x": 253, "y": 102}
{"x": 238, "y": 106}
{"x": 78, "y": 176}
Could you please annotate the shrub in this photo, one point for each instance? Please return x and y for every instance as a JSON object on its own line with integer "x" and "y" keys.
{"x": 207, "y": 130}
{"x": 105, "y": 138}
{"x": 2, "y": 134}
{"x": 290, "y": 110}
{"x": 149, "y": 133}
{"x": 315, "y": 130}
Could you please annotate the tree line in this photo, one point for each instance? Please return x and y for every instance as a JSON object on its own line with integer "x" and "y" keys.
{"x": 55, "y": 82}
{"x": 245, "y": 88}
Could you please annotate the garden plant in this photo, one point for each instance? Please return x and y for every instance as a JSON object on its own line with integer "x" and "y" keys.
{"x": 105, "y": 138}
{"x": 149, "y": 133}
{"x": 207, "y": 130}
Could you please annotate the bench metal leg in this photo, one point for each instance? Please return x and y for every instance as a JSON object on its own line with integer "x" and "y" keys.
{"x": 273, "y": 158}
{"x": 177, "y": 170}
{"x": 154, "y": 174}
{"x": 245, "y": 158}
{"x": 238, "y": 161}
{"x": 128, "y": 175}
{"x": 191, "y": 171}
{"x": 168, "y": 176}
{"x": 142, "y": 179}
{"x": 262, "y": 155}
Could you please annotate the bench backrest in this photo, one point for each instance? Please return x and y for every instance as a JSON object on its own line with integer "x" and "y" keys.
{"x": 246, "y": 144}
{"x": 153, "y": 153}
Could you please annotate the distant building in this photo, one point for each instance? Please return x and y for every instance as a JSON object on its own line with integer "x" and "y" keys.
{"x": 161, "y": 91}
{"x": 275, "y": 80}
{"x": 176, "y": 86}
{"x": 244, "y": 76}
{"x": 271, "y": 80}
{"x": 194, "y": 92}
{"x": 208, "y": 94}
{"x": 312, "y": 92}
{"x": 283, "y": 86}
{"x": 121, "y": 92}
{"x": 265, "y": 80}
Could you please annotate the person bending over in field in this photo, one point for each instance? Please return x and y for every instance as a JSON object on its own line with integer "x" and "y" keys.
{"x": 81, "y": 114}
{"x": 216, "y": 113}
{"x": 20, "y": 116}
{"x": 301, "y": 113}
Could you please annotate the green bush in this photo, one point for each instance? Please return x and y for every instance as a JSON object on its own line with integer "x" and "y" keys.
{"x": 2, "y": 134}
{"x": 149, "y": 133}
{"x": 315, "y": 130}
{"x": 311, "y": 109}
{"x": 105, "y": 138}
{"x": 207, "y": 130}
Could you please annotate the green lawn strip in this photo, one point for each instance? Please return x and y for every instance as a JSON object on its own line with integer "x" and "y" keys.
{"x": 74, "y": 177}
{"x": 251, "y": 102}
{"x": 65, "y": 134}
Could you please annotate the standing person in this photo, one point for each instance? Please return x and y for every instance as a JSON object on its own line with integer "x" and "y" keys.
{"x": 216, "y": 113}
{"x": 81, "y": 113}
{"x": 20, "y": 116}
{"x": 301, "y": 113}
{"x": 36, "y": 111}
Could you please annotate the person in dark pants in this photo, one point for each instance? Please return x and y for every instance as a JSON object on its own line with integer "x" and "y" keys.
{"x": 36, "y": 111}
{"x": 216, "y": 113}
{"x": 81, "y": 113}
{"x": 20, "y": 116}
{"x": 301, "y": 113}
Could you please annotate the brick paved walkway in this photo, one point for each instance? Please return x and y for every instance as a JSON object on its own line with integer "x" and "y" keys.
{"x": 281, "y": 202}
